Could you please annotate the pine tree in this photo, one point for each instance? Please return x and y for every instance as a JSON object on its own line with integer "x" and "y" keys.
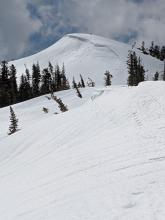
{"x": 156, "y": 76}
{"x": 73, "y": 83}
{"x": 61, "y": 105}
{"x": 130, "y": 69}
{"x": 78, "y": 91}
{"x": 36, "y": 76}
{"x": 157, "y": 51}
{"x": 4, "y": 70}
{"x": 64, "y": 81}
{"x": 143, "y": 46}
{"x": 136, "y": 71}
{"x": 79, "y": 85}
{"x": 25, "y": 91}
{"x": 58, "y": 78}
{"x": 75, "y": 86}
{"x": 164, "y": 72}
{"x": 5, "y": 95}
{"x": 13, "y": 122}
{"x": 46, "y": 81}
{"x": 13, "y": 84}
{"x": 27, "y": 72}
{"x": 151, "y": 50}
{"x": 82, "y": 81}
{"x": 50, "y": 68}
{"x": 140, "y": 71}
{"x": 162, "y": 53}
{"x": 108, "y": 77}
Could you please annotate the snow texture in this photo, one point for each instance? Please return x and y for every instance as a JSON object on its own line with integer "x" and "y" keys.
{"x": 104, "y": 159}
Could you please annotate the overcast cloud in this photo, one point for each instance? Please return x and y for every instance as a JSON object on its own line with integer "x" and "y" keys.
{"x": 30, "y": 25}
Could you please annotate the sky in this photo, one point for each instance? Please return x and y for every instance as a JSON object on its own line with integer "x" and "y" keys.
{"x": 28, "y": 26}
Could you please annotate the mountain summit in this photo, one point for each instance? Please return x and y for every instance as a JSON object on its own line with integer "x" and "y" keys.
{"x": 90, "y": 56}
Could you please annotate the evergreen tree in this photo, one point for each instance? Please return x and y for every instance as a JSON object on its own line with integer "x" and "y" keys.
{"x": 157, "y": 51}
{"x": 58, "y": 78}
{"x": 79, "y": 85}
{"x": 5, "y": 95}
{"x": 108, "y": 77}
{"x": 4, "y": 70}
{"x": 25, "y": 91}
{"x": 164, "y": 72}
{"x": 64, "y": 81}
{"x": 13, "y": 84}
{"x": 82, "y": 81}
{"x": 73, "y": 83}
{"x": 151, "y": 50}
{"x": 36, "y": 79}
{"x": 162, "y": 53}
{"x": 13, "y": 122}
{"x": 140, "y": 71}
{"x": 50, "y": 68}
{"x": 61, "y": 105}
{"x": 143, "y": 47}
{"x": 75, "y": 86}
{"x": 27, "y": 72}
{"x": 130, "y": 69}
{"x": 46, "y": 81}
{"x": 156, "y": 76}
{"x": 136, "y": 71}
{"x": 78, "y": 91}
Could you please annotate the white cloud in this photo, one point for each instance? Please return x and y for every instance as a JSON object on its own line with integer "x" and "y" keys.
{"x": 110, "y": 18}
{"x": 15, "y": 27}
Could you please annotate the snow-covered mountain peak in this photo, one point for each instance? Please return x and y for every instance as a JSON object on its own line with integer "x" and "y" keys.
{"x": 91, "y": 56}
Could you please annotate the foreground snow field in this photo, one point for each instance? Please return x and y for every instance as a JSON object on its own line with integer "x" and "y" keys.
{"x": 104, "y": 159}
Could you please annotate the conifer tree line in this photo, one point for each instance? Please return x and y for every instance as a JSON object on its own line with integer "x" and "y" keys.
{"x": 154, "y": 50}
{"x": 31, "y": 85}
{"x": 136, "y": 71}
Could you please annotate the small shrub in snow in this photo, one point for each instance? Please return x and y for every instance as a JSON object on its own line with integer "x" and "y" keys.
{"x": 45, "y": 110}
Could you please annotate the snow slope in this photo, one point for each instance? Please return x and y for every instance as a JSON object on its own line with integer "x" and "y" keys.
{"x": 90, "y": 56}
{"x": 104, "y": 159}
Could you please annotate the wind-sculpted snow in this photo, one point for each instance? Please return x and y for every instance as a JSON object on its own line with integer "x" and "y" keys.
{"x": 90, "y": 56}
{"x": 103, "y": 159}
